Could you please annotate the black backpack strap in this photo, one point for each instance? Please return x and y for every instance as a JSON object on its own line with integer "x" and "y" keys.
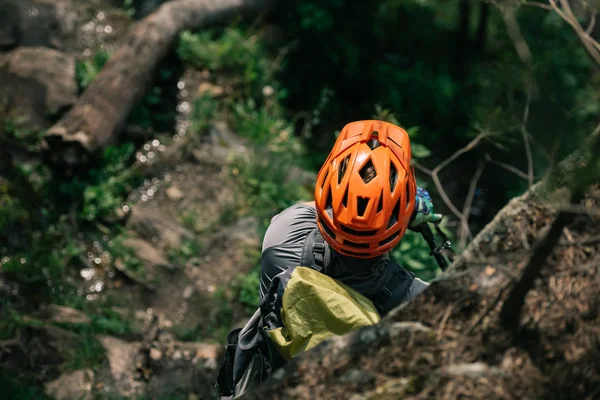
{"x": 394, "y": 288}
{"x": 314, "y": 251}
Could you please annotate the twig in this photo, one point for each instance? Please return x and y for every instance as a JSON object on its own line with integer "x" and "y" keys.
{"x": 507, "y": 167}
{"x": 583, "y": 242}
{"x": 591, "y": 24}
{"x": 470, "y": 146}
{"x": 539, "y": 5}
{"x": 466, "y": 211}
{"x": 514, "y": 31}
{"x": 525, "y": 135}
{"x": 422, "y": 168}
{"x": 443, "y": 322}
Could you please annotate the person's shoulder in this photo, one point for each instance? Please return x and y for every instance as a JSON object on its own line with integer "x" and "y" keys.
{"x": 291, "y": 226}
{"x": 299, "y": 210}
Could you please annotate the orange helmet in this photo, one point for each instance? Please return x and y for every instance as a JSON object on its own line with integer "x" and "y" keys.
{"x": 365, "y": 191}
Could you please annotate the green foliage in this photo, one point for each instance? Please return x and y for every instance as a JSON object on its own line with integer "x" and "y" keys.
{"x": 125, "y": 256}
{"x": 234, "y": 52}
{"x": 87, "y": 352}
{"x": 265, "y": 126}
{"x": 267, "y": 183}
{"x": 15, "y": 387}
{"x": 110, "y": 322}
{"x": 87, "y": 70}
{"x": 204, "y": 110}
{"x": 110, "y": 183}
{"x": 413, "y": 253}
{"x": 246, "y": 289}
{"x": 129, "y": 8}
{"x": 188, "y": 249}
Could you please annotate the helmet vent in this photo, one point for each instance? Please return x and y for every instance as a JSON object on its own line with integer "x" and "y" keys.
{"x": 389, "y": 239}
{"x": 326, "y": 228}
{"x": 325, "y": 178}
{"x": 394, "y": 217}
{"x": 345, "y": 198}
{"x": 368, "y": 172}
{"x": 357, "y": 233}
{"x": 373, "y": 141}
{"x": 329, "y": 204}
{"x": 393, "y": 177}
{"x": 380, "y": 205}
{"x": 343, "y": 168}
{"x": 363, "y": 202}
{"x": 357, "y": 245}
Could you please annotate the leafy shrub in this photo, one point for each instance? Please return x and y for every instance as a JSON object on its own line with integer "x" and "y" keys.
{"x": 86, "y": 71}
{"x": 109, "y": 184}
{"x": 246, "y": 288}
{"x": 234, "y": 52}
{"x": 265, "y": 126}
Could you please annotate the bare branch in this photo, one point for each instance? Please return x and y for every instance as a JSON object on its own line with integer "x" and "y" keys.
{"x": 514, "y": 31}
{"x": 525, "y": 135}
{"x": 470, "y": 146}
{"x": 507, "y": 167}
{"x": 445, "y": 198}
{"x": 440, "y": 189}
{"x": 539, "y": 5}
{"x": 591, "y": 25}
{"x": 465, "y": 231}
{"x": 421, "y": 168}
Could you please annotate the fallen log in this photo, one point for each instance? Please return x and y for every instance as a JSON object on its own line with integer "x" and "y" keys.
{"x": 95, "y": 120}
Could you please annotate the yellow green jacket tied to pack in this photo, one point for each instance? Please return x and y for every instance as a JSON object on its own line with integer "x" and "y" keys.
{"x": 314, "y": 307}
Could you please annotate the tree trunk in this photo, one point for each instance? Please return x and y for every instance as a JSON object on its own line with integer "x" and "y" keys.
{"x": 449, "y": 342}
{"x": 100, "y": 113}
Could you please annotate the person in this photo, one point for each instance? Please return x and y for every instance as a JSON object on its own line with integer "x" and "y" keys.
{"x": 365, "y": 199}
{"x": 324, "y": 260}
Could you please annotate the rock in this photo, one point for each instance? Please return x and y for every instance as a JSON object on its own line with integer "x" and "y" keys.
{"x": 37, "y": 83}
{"x": 210, "y": 89}
{"x": 187, "y": 292}
{"x": 223, "y": 145}
{"x": 36, "y": 23}
{"x": 174, "y": 193}
{"x": 67, "y": 315}
{"x": 150, "y": 222}
{"x": 155, "y": 354}
{"x": 146, "y": 252}
{"x": 121, "y": 358}
{"x": 73, "y": 385}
